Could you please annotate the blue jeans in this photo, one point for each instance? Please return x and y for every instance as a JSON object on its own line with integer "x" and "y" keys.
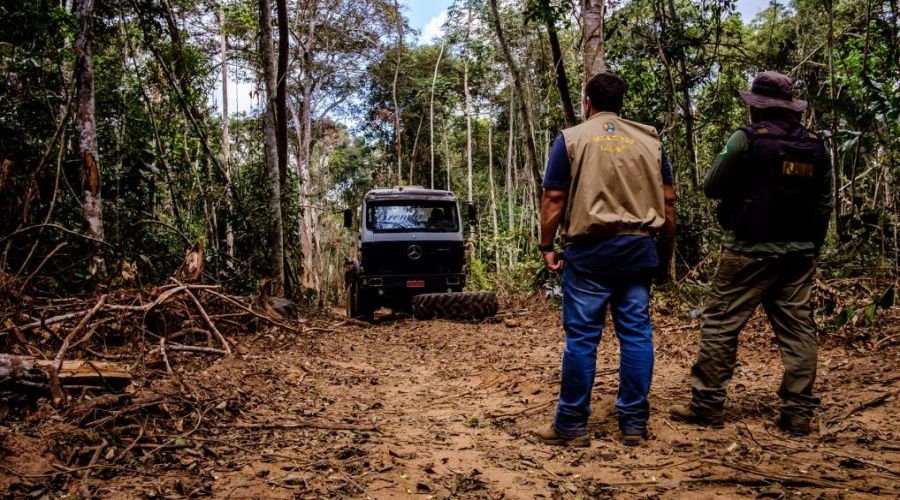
{"x": 584, "y": 312}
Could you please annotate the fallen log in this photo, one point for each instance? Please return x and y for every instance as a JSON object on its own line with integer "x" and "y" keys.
{"x": 27, "y": 371}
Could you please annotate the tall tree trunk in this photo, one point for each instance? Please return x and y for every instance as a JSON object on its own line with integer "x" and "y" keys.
{"x": 446, "y": 139}
{"x": 181, "y": 83}
{"x": 226, "y": 145}
{"x": 173, "y": 207}
{"x": 490, "y": 145}
{"x": 530, "y": 149}
{"x": 559, "y": 69}
{"x": 281, "y": 92}
{"x": 273, "y": 174}
{"x": 87, "y": 135}
{"x": 281, "y": 118}
{"x": 412, "y": 152}
{"x": 593, "y": 50}
{"x": 468, "y": 101}
{"x": 510, "y": 188}
{"x": 303, "y": 127}
{"x": 431, "y": 111}
{"x": 835, "y": 172}
{"x": 397, "y": 135}
{"x": 687, "y": 106}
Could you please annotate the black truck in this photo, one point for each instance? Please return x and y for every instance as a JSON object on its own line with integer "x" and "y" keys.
{"x": 411, "y": 256}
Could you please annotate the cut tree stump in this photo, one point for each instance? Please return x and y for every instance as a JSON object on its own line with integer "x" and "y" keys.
{"x": 26, "y": 371}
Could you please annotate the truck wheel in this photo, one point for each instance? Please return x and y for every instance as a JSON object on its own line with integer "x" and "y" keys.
{"x": 474, "y": 305}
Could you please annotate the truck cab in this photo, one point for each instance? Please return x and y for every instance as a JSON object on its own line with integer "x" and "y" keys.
{"x": 410, "y": 243}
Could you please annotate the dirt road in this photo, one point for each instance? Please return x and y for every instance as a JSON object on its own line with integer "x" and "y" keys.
{"x": 443, "y": 409}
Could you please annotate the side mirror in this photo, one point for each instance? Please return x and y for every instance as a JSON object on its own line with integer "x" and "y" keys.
{"x": 348, "y": 218}
{"x": 473, "y": 214}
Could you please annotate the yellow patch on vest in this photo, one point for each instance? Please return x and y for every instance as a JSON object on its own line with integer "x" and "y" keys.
{"x": 797, "y": 169}
{"x": 611, "y": 138}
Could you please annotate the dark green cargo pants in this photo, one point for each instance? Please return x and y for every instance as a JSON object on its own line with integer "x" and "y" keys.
{"x": 783, "y": 285}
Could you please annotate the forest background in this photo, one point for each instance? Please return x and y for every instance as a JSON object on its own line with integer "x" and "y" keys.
{"x": 119, "y": 152}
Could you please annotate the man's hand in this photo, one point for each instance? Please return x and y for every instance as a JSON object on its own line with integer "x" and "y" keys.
{"x": 815, "y": 271}
{"x": 553, "y": 205}
{"x": 552, "y": 261}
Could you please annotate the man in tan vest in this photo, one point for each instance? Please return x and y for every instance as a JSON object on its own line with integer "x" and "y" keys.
{"x": 608, "y": 185}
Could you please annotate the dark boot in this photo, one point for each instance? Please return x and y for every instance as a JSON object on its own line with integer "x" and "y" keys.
{"x": 684, "y": 413}
{"x": 632, "y": 439}
{"x": 793, "y": 424}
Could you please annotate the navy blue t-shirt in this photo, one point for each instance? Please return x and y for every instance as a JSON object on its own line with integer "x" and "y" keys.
{"x": 609, "y": 256}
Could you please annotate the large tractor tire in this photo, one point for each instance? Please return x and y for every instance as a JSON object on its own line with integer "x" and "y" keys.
{"x": 468, "y": 305}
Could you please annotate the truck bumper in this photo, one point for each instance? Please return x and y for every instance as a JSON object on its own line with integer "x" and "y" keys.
{"x": 409, "y": 285}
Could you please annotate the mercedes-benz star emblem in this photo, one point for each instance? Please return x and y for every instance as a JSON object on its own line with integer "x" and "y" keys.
{"x": 414, "y": 252}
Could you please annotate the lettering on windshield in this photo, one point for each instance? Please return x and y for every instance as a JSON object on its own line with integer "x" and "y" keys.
{"x": 425, "y": 216}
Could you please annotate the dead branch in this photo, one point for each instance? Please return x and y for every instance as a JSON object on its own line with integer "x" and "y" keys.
{"x": 185, "y": 331}
{"x": 86, "y": 475}
{"x": 48, "y": 321}
{"x": 330, "y": 426}
{"x": 136, "y": 404}
{"x": 251, "y": 311}
{"x": 870, "y": 403}
{"x": 55, "y": 385}
{"x": 58, "y": 360}
{"x": 866, "y": 462}
{"x": 786, "y": 479}
{"x": 189, "y": 348}
{"x": 147, "y": 307}
{"x": 886, "y": 339}
{"x": 87, "y": 335}
{"x": 109, "y": 307}
{"x": 232, "y": 444}
{"x": 209, "y": 322}
{"x": 130, "y": 446}
{"x": 835, "y": 428}
{"x": 165, "y": 358}
{"x": 522, "y": 411}
{"x": 41, "y": 265}
{"x": 58, "y": 228}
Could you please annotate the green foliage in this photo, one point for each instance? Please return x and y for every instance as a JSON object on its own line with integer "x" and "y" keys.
{"x": 865, "y": 315}
{"x": 477, "y": 278}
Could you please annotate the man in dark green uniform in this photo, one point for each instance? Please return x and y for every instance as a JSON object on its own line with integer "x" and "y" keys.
{"x": 774, "y": 182}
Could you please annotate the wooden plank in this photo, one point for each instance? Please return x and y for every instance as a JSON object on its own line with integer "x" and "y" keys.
{"x": 73, "y": 372}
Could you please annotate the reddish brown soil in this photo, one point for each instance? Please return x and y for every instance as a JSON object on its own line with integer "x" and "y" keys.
{"x": 443, "y": 409}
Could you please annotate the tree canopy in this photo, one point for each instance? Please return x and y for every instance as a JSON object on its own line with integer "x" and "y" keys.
{"x": 365, "y": 106}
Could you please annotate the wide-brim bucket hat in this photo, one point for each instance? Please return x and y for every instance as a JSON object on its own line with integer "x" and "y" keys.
{"x": 772, "y": 90}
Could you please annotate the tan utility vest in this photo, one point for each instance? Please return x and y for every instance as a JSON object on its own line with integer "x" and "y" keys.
{"x": 617, "y": 185}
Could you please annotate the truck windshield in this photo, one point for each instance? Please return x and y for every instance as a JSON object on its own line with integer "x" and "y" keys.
{"x": 412, "y": 215}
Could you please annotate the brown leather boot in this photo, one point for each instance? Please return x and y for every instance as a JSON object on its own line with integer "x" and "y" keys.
{"x": 686, "y": 414}
{"x": 795, "y": 425}
{"x": 548, "y": 435}
{"x": 634, "y": 439}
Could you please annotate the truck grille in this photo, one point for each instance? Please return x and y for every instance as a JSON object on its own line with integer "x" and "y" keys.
{"x": 413, "y": 257}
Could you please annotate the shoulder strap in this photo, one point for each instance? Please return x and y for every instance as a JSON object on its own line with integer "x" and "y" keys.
{"x": 761, "y": 131}
{"x": 756, "y": 129}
